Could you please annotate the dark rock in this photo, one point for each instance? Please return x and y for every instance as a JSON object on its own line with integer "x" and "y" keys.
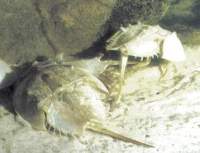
{"x": 20, "y": 35}
{"x": 47, "y": 27}
{"x": 132, "y": 11}
{"x": 74, "y": 25}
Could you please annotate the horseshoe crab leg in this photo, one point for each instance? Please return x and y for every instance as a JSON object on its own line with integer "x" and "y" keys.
{"x": 124, "y": 59}
{"x": 123, "y": 64}
{"x": 163, "y": 69}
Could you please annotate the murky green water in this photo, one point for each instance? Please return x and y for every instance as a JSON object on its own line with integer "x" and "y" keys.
{"x": 183, "y": 16}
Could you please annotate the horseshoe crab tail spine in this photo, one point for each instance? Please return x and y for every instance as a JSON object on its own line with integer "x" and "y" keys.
{"x": 97, "y": 127}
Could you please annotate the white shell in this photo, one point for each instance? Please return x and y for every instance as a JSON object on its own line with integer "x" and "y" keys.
{"x": 4, "y": 70}
{"x": 139, "y": 40}
{"x": 173, "y": 49}
{"x": 142, "y": 40}
{"x": 147, "y": 42}
{"x": 142, "y": 49}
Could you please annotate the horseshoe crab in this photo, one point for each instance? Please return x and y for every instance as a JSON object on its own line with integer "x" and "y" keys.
{"x": 145, "y": 41}
{"x": 65, "y": 99}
